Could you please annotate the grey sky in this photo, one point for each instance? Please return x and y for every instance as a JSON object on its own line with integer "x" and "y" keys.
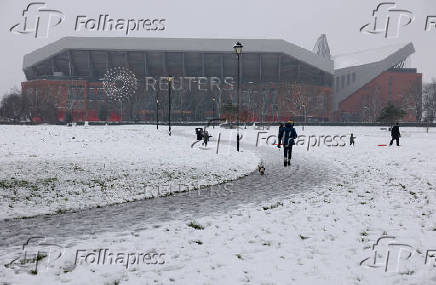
{"x": 299, "y": 22}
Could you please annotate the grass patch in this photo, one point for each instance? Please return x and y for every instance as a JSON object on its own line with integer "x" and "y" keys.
{"x": 13, "y": 183}
{"x": 60, "y": 211}
{"x": 273, "y": 206}
{"x": 195, "y": 225}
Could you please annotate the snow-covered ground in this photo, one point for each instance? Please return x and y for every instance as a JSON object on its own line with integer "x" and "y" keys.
{"x": 324, "y": 235}
{"x": 51, "y": 169}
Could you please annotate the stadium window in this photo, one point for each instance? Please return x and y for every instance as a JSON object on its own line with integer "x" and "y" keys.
{"x": 100, "y": 93}
{"x": 337, "y": 83}
{"x": 348, "y": 79}
{"x": 342, "y": 81}
{"x": 91, "y": 94}
{"x": 29, "y": 91}
{"x": 320, "y": 101}
{"x": 353, "y": 77}
{"x": 94, "y": 94}
{"x": 75, "y": 93}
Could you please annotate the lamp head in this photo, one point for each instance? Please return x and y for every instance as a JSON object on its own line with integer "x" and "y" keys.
{"x": 238, "y": 48}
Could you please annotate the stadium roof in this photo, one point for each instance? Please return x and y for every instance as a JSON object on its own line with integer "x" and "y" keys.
{"x": 177, "y": 44}
{"x": 366, "y": 56}
{"x": 364, "y": 66}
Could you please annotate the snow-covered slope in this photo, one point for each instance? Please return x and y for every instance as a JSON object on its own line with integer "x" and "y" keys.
{"x": 48, "y": 169}
{"x": 319, "y": 236}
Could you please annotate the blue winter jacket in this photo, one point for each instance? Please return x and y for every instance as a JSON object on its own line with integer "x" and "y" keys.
{"x": 289, "y": 135}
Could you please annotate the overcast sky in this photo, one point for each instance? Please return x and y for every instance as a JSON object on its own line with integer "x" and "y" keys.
{"x": 296, "y": 21}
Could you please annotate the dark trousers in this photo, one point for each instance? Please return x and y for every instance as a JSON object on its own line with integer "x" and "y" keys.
{"x": 392, "y": 141}
{"x": 288, "y": 152}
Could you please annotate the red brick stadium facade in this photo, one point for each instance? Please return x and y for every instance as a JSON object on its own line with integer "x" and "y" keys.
{"x": 401, "y": 87}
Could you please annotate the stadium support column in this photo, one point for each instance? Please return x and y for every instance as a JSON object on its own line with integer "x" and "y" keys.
{"x": 279, "y": 71}
{"x": 157, "y": 110}
{"x": 85, "y": 92}
{"x": 222, "y": 67}
{"x": 183, "y": 66}
{"x": 202, "y": 65}
{"x": 170, "y": 79}
{"x": 71, "y": 69}
{"x": 238, "y": 50}
{"x": 260, "y": 67}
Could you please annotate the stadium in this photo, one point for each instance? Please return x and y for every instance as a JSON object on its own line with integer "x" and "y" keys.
{"x": 65, "y": 80}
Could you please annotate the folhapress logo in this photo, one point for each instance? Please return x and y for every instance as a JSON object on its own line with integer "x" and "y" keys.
{"x": 106, "y": 23}
{"x": 37, "y": 20}
{"x": 388, "y": 20}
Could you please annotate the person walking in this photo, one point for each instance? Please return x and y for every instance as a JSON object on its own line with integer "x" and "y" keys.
{"x": 352, "y": 137}
{"x": 289, "y": 136}
{"x": 205, "y": 138}
{"x": 395, "y": 134}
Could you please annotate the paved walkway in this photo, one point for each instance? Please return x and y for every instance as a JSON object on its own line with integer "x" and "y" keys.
{"x": 277, "y": 183}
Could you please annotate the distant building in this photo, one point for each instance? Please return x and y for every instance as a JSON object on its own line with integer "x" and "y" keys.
{"x": 69, "y": 73}
{"x": 367, "y": 81}
{"x": 279, "y": 80}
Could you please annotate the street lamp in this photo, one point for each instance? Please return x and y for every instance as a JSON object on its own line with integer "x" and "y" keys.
{"x": 157, "y": 110}
{"x": 305, "y": 114}
{"x": 213, "y": 111}
{"x": 170, "y": 79}
{"x": 366, "y": 113}
{"x": 238, "y": 50}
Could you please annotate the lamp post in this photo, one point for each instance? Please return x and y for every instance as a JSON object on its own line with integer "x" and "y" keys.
{"x": 305, "y": 114}
{"x": 170, "y": 79}
{"x": 213, "y": 111}
{"x": 263, "y": 109}
{"x": 366, "y": 114}
{"x": 238, "y": 50}
{"x": 157, "y": 110}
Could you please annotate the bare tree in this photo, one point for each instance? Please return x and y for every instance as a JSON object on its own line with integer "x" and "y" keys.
{"x": 429, "y": 101}
{"x": 15, "y": 106}
{"x": 411, "y": 100}
{"x": 297, "y": 99}
{"x": 372, "y": 104}
{"x": 306, "y": 100}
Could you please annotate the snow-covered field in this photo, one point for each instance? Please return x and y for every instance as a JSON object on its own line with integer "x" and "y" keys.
{"x": 316, "y": 237}
{"x": 51, "y": 169}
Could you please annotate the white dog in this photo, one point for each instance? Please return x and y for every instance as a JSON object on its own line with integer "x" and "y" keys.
{"x": 261, "y": 168}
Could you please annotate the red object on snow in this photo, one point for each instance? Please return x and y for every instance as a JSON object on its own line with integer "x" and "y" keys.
{"x": 382, "y": 145}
